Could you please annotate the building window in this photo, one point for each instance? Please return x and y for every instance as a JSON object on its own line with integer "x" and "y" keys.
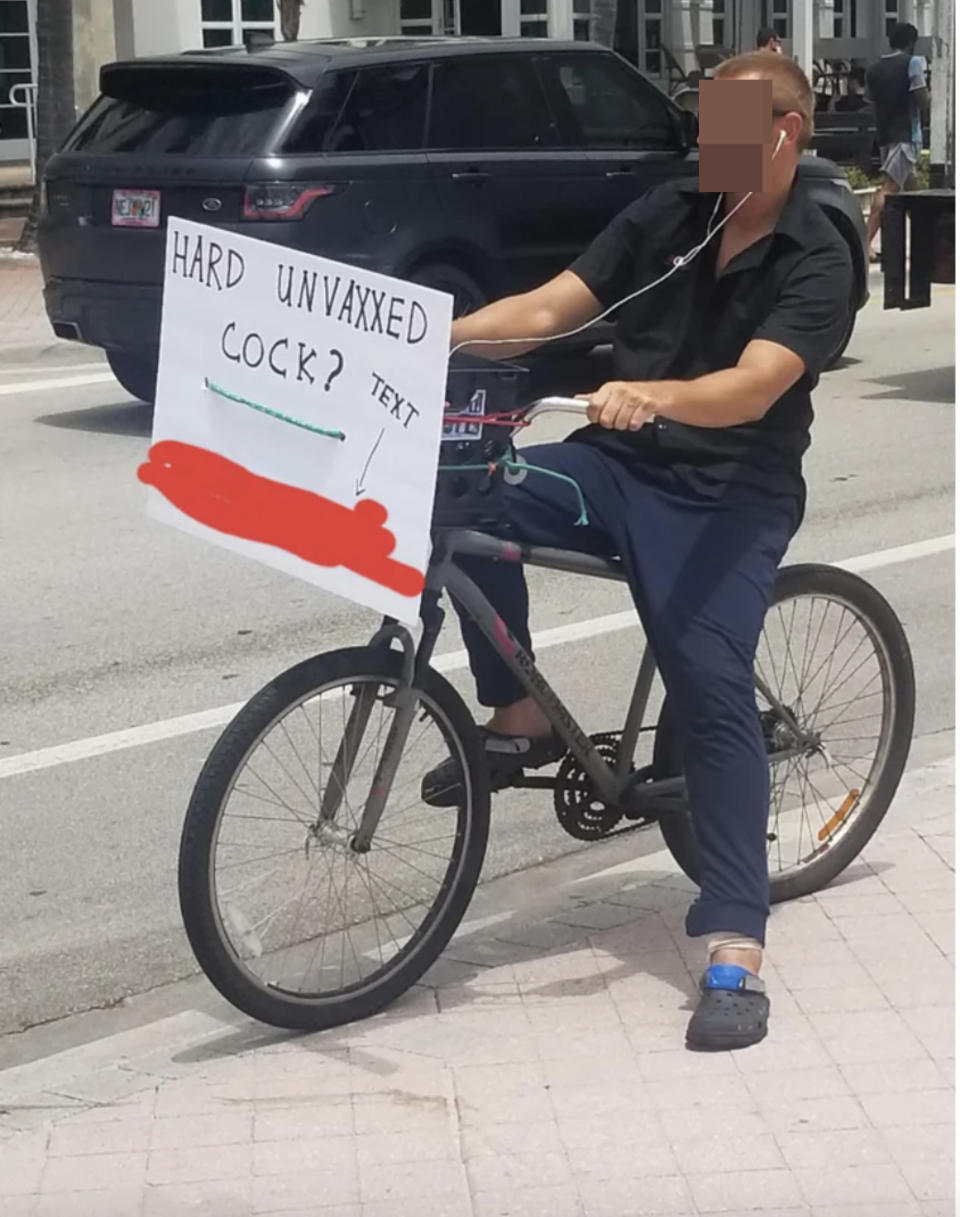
{"x": 16, "y": 69}
{"x": 581, "y": 20}
{"x": 416, "y": 17}
{"x": 891, "y": 14}
{"x": 845, "y": 18}
{"x": 653, "y": 37}
{"x": 776, "y": 14}
{"x": 719, "y": 14}
{"x": 231, "y": 22}
{"x": 533, "y": 18}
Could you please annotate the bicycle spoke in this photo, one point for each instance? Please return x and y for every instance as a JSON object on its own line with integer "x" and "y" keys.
{"x": 314, "y": 782}
{"x": 278, "y": 801}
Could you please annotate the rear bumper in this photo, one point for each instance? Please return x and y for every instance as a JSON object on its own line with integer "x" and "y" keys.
{"x": 109, "y": 315}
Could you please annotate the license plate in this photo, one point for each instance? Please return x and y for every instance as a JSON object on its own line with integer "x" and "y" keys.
{"x": 136, "y": 209}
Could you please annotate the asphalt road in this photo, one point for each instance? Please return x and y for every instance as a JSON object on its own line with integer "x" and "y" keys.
{"x": 110, "y": 621}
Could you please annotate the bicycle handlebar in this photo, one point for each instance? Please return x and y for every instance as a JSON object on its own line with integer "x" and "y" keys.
{"x": 555, "y": 405}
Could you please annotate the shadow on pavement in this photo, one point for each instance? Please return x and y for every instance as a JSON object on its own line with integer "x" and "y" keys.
{"x": 845, "y": 361}
{"x": 929, "y": 385}
{"x": 543, "y": 955}
{"x": 127, "y": 418}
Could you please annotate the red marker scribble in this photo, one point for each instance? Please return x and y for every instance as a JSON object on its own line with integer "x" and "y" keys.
{"x": 229, "y": 498}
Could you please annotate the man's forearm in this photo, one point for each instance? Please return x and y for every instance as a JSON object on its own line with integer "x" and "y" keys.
{"x": 512, "y": 317}
{"x": 719, "y": 399}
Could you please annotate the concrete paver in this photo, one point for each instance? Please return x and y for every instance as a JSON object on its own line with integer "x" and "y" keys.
{"x": 539, "y": 1069}
{"x": 23, "y": 319}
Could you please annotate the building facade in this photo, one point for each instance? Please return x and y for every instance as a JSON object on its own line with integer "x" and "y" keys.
{"x": 660, "y": 36}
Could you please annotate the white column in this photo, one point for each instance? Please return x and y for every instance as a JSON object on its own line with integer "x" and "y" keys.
{"x": 942, "y": 91}
{"x": 510, "y": 18}
{"x": 685, "y": 25}
{"x": 560, "y": 19}
{"x": 823, "y": 19}
{"x": 801, "y": 34}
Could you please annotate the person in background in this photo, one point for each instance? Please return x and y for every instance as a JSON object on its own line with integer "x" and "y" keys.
{"x": 854, "y": 99}
{"x": 769, "y": 40}
{"x": 897, "y": 86}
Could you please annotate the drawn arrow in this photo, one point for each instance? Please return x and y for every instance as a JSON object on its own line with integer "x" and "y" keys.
{"x": 358, "y": 485}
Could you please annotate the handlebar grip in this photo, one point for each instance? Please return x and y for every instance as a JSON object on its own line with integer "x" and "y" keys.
{"x": 556, "y": 405}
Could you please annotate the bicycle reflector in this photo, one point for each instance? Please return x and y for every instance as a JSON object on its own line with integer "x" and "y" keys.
{"x": 476, "y": 440}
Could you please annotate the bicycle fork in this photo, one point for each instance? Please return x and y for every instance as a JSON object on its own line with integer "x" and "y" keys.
{"x": 403, "y": 702}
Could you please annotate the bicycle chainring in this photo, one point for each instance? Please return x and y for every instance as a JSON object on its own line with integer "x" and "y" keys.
{"x": 581, "y": 813}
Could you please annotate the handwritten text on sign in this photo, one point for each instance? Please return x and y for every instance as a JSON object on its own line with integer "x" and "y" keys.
{"x": 299, "y": 411}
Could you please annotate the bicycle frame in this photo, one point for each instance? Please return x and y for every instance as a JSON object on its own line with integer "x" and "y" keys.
{"x": 618, "y": 785}
{"x": 613, "y": 785}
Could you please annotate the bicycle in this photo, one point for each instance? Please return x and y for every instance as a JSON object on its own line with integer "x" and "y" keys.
{"x": 394, "y": 876}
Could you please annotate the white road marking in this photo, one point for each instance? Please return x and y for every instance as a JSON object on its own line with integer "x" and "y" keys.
{"x": 45, "y": 369}
{"x": 900, "y": 553}
{"x": 57, "y": 382}
{"x": 219, "y": 716}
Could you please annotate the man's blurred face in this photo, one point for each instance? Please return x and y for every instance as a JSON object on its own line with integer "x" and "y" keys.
{"x": 736, "y": 135}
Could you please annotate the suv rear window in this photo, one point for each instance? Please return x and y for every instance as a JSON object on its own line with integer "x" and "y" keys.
{"x": 204, "y": 113}
{"x": 381, "y": 109}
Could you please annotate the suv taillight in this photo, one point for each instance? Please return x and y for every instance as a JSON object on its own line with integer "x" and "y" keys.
{"x": 281, "y": 200}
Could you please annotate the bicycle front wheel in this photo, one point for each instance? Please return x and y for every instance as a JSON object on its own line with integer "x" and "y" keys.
{"x": 288, "y": 921}
{"x": 833, "y": 653}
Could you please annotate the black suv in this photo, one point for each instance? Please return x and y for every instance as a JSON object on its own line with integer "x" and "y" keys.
{"x": 480, "y": 167}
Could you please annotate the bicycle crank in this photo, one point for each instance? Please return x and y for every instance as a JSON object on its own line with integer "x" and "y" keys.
{"x": 580, "y": 811}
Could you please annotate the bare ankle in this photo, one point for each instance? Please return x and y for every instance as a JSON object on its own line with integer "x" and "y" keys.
{"x": 522, "y": 718}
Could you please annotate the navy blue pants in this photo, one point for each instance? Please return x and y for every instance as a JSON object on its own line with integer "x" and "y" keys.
{"x": 701, "y": 571}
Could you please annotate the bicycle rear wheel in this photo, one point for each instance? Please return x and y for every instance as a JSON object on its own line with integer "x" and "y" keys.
{"x": 291, "y": 924}
{"x": 834, "y": 653}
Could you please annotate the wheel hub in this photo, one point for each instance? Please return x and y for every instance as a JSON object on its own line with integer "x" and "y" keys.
{"x": 331, "y": 836}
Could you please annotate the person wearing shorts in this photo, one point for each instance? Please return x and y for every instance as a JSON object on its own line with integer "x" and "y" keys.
{"x": 897, "y": 86}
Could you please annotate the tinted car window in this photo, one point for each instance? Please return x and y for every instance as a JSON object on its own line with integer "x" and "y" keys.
{"x": 318, "y": 122}
{"x": 385, "y": 111}
{"x": 491, "y": 104}
{"x": 204, "y": 115}
{"x": 612, "y": 108}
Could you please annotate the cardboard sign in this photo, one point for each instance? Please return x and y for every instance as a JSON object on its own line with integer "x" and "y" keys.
{"x": 299, "y": 413}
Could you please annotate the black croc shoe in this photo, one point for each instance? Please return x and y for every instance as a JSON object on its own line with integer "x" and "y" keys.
{"x": 733, "y": 1010}
{"x": 507, "y": 757}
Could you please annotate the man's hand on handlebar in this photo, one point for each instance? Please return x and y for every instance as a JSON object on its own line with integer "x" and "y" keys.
{"x": 622, "y": 405}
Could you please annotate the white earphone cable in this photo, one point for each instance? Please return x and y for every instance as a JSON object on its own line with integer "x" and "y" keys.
{"x": 678, "y": 263}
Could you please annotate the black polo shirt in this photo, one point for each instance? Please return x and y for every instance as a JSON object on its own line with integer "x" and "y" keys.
{"x": 794, "y": 287}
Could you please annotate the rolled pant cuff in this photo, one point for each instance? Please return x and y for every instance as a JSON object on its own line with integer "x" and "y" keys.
{"x": 728, "y": 917}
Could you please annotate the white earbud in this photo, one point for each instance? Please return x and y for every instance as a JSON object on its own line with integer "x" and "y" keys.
{"x": 783, "y": 136}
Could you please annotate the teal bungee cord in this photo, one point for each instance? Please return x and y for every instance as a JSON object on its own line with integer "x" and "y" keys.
{"x": 513, "y": 466}
{"x": 283, "y": 418}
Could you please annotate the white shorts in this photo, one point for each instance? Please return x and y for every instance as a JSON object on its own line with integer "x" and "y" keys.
{"x": 899, "y": 162}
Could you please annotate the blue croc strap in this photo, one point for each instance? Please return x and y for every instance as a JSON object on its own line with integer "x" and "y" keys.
{"x": 732, "y": 977}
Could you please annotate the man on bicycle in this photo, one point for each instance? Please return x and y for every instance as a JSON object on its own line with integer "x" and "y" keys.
{"x": 691, "y": 474}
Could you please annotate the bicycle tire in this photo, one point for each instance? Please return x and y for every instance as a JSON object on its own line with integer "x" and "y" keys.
{"x": 830, "y": 581}
{"x": 198, "y": 901}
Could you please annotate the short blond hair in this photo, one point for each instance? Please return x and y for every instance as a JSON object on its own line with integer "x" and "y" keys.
{"x": 791, "y": 89}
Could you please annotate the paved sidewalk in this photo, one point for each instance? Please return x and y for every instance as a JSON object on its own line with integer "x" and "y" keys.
{"x": 23, "y": 318}
{"x": 540, "y": 1069}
